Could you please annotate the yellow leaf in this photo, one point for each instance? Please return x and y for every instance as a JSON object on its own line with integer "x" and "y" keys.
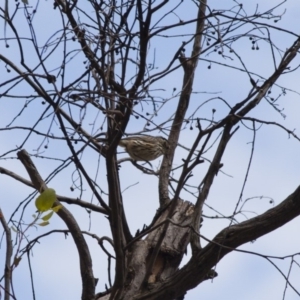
{"x": 57, "y": 208}
{"x": 48, "y": 216}
{"x": 44, "y": 223}
{"x": 45, "y": 200}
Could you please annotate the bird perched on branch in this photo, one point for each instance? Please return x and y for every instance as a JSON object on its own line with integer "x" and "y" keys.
{"x": 145, "y": 147}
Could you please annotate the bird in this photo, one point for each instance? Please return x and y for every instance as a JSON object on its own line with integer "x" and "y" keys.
{"x": 144, "y": 147}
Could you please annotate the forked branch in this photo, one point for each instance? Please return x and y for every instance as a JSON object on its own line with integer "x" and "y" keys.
{"x": 189, "y": 67}
{"x": 226, "y": 241}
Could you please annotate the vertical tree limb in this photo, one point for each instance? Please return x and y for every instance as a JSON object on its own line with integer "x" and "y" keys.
{"x": 8, "y": 254}
{"x": 116, "y": 222}
{"x": 189, "y": 66}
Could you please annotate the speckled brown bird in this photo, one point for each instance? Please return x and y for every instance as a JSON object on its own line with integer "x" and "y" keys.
{"x": 145, "y": 147}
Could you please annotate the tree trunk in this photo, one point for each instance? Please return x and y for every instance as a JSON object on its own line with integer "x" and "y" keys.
{"x": 143, "y": 275}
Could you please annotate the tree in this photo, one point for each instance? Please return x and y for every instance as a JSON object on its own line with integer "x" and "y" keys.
{"x": 87, "y": 74}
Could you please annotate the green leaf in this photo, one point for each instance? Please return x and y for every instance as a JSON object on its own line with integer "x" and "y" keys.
{"x": 57, "y": 208}
{"x": 44, "y": 223}
{"x": 13, "y": 228}
{"x": 45, "y": 200}
{"x": 48, "y": 216}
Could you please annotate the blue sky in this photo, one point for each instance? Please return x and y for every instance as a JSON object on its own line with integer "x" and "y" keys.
{"x": 274, "y": 172}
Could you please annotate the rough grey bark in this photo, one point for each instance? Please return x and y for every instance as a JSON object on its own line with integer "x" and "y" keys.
{"x": 198, "y": 268}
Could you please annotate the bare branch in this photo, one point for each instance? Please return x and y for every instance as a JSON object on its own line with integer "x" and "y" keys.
{"x": 189, "y": 66}
{"x": 88, "y": 282}
{"x": 8, "y": 254}
{"x": 68, "y": 200}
